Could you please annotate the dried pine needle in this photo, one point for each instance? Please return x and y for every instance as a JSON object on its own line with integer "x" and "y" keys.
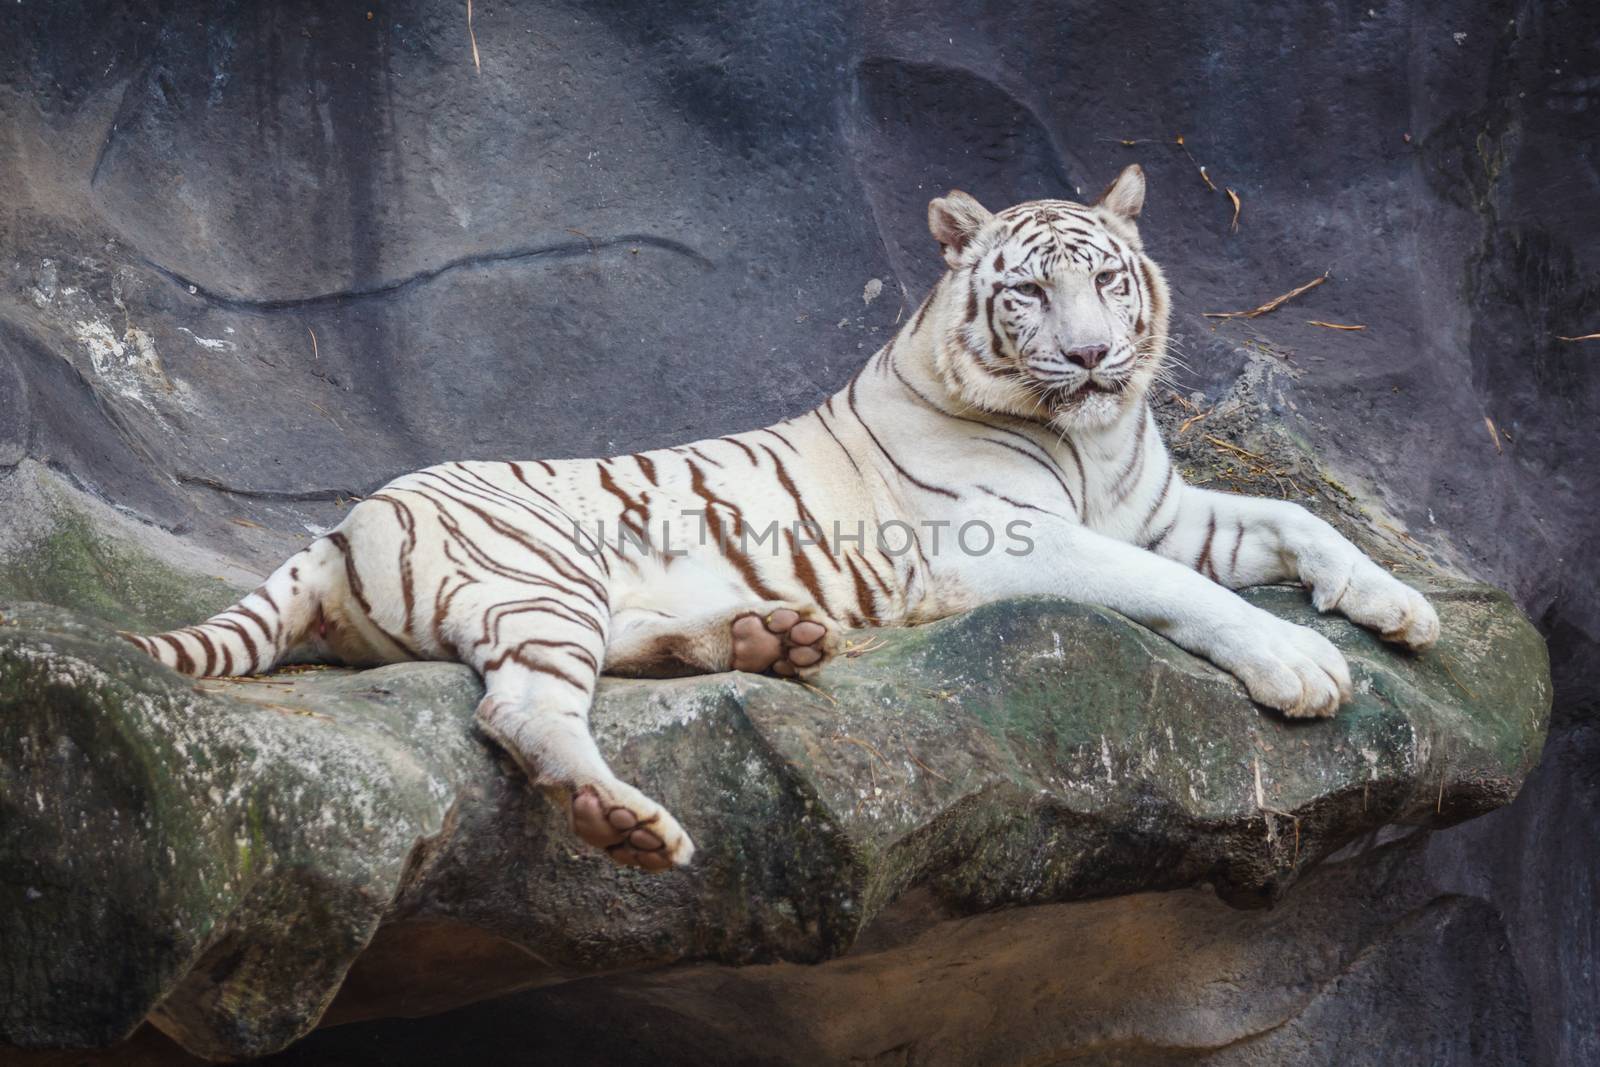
{"x": 1333, "y": 325}
{"x": 1130, "y": 142}
{"x": 1233, "y": 227}
{"x": 872, "y": 644}
{"x": 824, "y": 694}
{"x": 1188, "y": 423}
{"x": 1580, "y": 337}
{"x": 594, "y": 249}
{"x": 285, "y": 709}
{"x": 476, "y": 63}
{"x": 1459, "y": 684}
{"x": 1271, "y": 305}
{"x": 924, "y": 766}
{"x": 1494, "y": 434}
{"x": 1178, "y": 140}
{"x": 1218, "y": 442}
{"x": 1255, "y": 466}
{"x": 1392, "y": 528}
{"x": 868, "y": 745}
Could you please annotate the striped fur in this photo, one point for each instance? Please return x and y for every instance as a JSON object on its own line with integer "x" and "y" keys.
{"x": 1015, "y": 394}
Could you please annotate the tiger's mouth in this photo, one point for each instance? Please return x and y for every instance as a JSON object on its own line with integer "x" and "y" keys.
{"x": 1065, "y": 395}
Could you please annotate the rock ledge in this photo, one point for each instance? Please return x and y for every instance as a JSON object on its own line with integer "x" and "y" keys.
{"x": 215, "y": 857}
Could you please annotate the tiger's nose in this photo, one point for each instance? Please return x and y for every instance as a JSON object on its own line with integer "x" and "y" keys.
{"x": 1088, "y": 357}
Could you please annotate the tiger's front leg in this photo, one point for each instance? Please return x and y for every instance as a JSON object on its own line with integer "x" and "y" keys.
{"x": 789, "y": 640}
{"x": 1284, "y": 666}
{"x": 1240, "y": 540}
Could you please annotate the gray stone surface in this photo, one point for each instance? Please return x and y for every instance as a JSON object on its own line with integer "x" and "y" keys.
{"x": 398, "y": 257}
{"x": 214, "y": 856}
{"x": 1152, "y": 980}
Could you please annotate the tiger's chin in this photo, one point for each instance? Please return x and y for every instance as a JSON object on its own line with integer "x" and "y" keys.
{"x": 1093, "y": 405}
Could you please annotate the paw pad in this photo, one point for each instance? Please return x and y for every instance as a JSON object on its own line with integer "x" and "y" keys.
{"x": 783, "y": 641}
{"x": 627, "y": 837}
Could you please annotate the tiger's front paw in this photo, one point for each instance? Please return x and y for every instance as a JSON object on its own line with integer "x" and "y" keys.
{"x": 1376, "y": 599}
{"x": 789, "y": 642}
{"x": 1290, "y": 668}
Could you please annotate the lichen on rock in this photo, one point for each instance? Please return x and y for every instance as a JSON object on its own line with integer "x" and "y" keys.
{"x": 216, "y": 856}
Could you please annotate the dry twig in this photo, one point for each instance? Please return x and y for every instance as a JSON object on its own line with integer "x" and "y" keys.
{"x": 284, "y": 709}
{"x": 1271, "y": 305}
{"x": 1228, "y": 446}
{"x": 868, "y": 745}
{"x": 1185, "y": 425}
{"x": 1178, "y": 140}
{"x": 248, "y": 679}
{"x": 924, "y": 766}
{"x": 821, "y": 693}
{"x": 871, "y": 644}
{"x": 593, "y": 248}
{"x": 1130, "y": 142}
{"x": 1256, "y": 465}
{"x": 1445, "y": 663}
{"x": 1332, "y": 325}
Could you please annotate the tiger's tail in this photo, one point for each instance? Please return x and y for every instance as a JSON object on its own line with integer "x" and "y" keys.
{"x": 259, "y": 631}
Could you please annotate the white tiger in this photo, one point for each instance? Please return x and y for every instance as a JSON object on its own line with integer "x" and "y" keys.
{"x": 1012, "y": 402}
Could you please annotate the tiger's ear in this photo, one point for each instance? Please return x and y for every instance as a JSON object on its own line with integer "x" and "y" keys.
{"x": 954, "y": 219}
{"x": 1125, "y": 196}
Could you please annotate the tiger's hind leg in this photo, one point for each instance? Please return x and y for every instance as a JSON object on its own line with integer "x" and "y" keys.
{"x": 789, "y": 640}
{"x": 539, "y": 689}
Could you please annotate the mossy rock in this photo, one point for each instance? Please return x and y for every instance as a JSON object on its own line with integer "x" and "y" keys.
{"x": 215, "y": 856}
{"x": 73, "y": 563}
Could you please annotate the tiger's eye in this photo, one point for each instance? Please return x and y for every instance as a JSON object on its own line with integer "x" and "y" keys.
{"x": 1105, "y": 278}
{"x": 1029, "y": 289}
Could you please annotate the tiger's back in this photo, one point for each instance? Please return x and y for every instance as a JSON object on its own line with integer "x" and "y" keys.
{"x": 429, "y": 560}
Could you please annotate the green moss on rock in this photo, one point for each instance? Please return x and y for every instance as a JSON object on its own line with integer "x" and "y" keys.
{"x": 80, "y": 567}
{"x": 214, "y": 857}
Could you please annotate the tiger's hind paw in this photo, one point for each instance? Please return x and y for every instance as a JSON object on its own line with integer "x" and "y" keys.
{"x": 788, "y": 642}
{"x": 630, "y": 827}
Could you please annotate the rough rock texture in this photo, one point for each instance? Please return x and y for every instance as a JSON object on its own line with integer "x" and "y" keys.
{"x": 254, "y": 257}
{"x": 1154, "y": 980}
{"x": 216, "y": 855}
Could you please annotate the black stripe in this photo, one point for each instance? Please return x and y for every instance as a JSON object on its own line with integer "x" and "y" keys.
{"x": 850, "y": 398}
{"x": 184, "y": 664}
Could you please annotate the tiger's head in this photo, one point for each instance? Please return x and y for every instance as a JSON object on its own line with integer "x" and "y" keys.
{"x": 1053, "y": 311}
